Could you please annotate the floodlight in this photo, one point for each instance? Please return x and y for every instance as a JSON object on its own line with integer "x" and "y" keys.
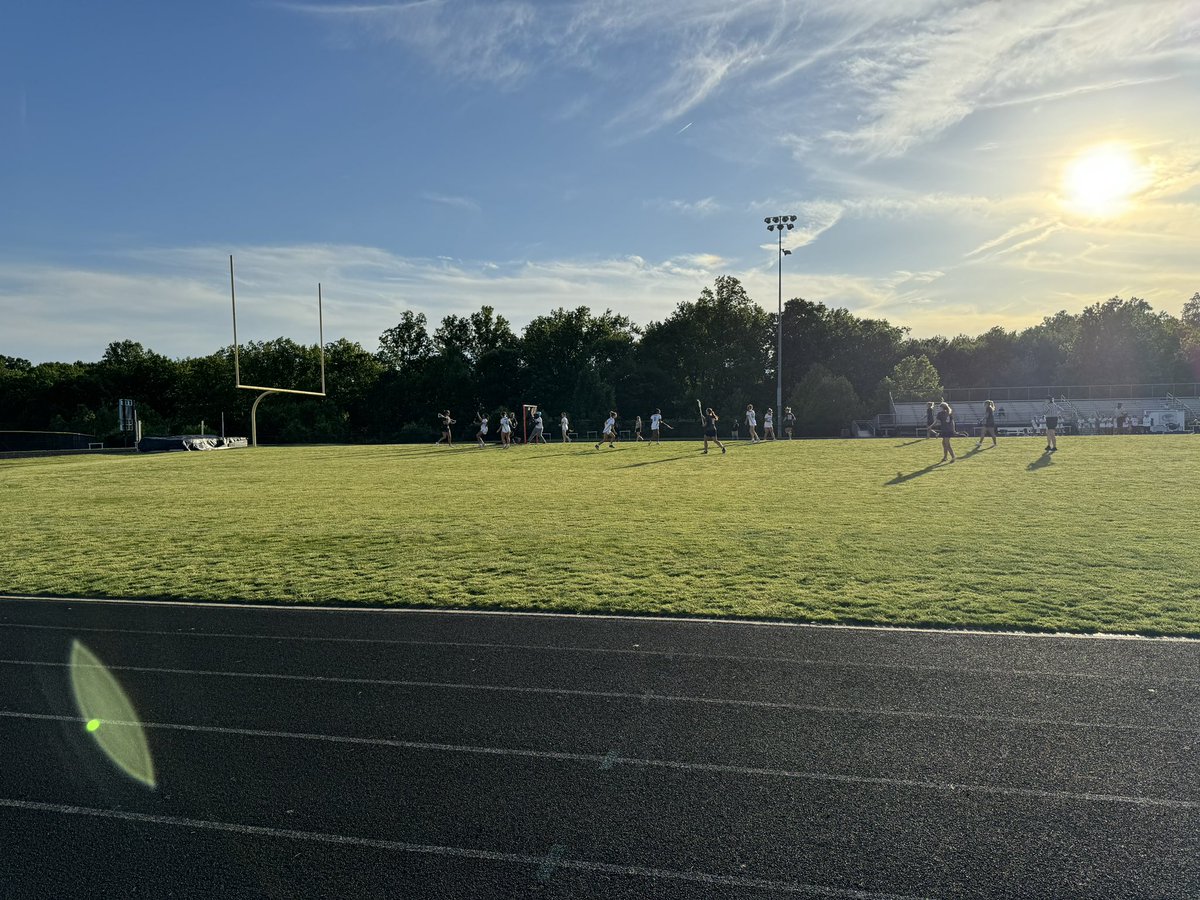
{"x": 793, "y": 218}
{"x": 770, "y": 228}
{"x": 767, "y": 219}
{"x": 790, "y": 226}
{"x": 774, "y": 218}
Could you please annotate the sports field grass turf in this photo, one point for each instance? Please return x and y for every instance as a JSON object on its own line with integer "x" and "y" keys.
{"x": 1101, "y": 536}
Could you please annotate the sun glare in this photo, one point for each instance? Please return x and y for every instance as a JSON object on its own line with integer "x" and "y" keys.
{"x": 1103, "y": 180}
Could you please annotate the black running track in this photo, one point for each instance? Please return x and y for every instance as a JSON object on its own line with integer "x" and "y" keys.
{"x": 315, "y": 753}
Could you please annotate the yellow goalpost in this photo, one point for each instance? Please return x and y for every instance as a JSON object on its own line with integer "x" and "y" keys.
{"x": 237, "y": 371}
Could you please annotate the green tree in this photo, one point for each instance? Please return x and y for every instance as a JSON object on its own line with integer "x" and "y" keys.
{"x": 406, "y": 345}
{"x": 716, "y": 348}
{"x": 914, "y": 378}
{"x": 1126, "y": 341}
{"x": 573, "y": 356}
{"x": 824, "y": 403}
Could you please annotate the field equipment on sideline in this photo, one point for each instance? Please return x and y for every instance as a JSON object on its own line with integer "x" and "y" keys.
{"x": 528, "y": 411}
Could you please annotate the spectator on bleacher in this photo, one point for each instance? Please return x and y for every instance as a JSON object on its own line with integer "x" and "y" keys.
{"x": 929, "y": 419}
{"x": 989, "y": 424}
{"x": 945, "y": 422}
{"x": 1052, "y": 413}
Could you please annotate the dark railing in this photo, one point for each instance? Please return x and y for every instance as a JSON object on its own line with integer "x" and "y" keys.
{"x": 1070, "y": 392}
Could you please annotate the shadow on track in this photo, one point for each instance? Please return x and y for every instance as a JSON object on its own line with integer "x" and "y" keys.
{"x": 901, "y": 477}
{"x": 1040, "y": 463}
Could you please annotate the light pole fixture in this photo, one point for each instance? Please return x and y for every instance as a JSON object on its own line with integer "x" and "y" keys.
{"x": 780, "y": 224}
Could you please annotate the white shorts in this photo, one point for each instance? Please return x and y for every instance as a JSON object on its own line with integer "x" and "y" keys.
{"x": 483, "y": 429}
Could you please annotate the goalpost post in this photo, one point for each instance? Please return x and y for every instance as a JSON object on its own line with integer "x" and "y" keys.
{"x": 237, "y": 370}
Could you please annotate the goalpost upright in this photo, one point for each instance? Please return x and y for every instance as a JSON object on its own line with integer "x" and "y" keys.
{"x": 237, "y": 371}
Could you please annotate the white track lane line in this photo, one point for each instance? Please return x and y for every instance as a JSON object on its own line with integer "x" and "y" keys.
{"x": 595, "y": 759}
{"x": 522, "y": 859}
{"x": 634, "y": 618}
{"x": 645, "y": 697}
{"x": 561, "y": 648}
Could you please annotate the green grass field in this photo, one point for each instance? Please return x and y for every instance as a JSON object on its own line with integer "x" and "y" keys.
{"x": 1102, "y": 536}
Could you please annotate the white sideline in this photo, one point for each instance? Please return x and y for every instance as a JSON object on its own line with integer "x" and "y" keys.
{"x": 610, "y": 759}
{"x": 629, "y": 617}
{"x": 626, "y": 651}
{"x": 645, "y": 697}
{"x": 560, "y": 861}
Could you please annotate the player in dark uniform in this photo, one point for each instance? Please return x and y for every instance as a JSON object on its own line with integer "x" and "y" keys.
{"x": 945, "y": 425}
{"x": 710, "y": 429}
{"x": 1052, "y": 412}
{"x": 989, "y": 424}
{"x": 446, "y": 421}
{"x": 789, "y": 422}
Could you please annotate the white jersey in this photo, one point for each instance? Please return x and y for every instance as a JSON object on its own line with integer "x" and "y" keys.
{"x": 483, "y": 426}
{"x": 750, "y": 418}
{"x": 537, "y": 422}
{"x": 505, "y": 424}
{"x": 609, "y": 424}
{"x": 768, "y": 421}
{"x": 655, "y": 422}
{"x": 563, "y": 423}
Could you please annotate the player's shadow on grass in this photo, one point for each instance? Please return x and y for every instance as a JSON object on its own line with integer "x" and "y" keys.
{"x": 1041, "y": 462}
{"x": 901, "y": 477}
{"x": 917, "y": 441}
{"x": 651, "y": 462}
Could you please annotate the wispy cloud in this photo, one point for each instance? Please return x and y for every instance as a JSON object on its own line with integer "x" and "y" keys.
{"x": 464, "y": 203}
{"x": 700, "y": 208}
{"x": 1017, "y": 237}
{"x": 886, "y": 77}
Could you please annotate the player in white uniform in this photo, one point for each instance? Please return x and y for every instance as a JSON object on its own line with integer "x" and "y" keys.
{"x": 538, "y": 436}
{"x": 769, "y": 425}
{"x": 610, "y": 430}
{"x": 505, "y": 430}
{"x": 752, "y": 423}
{"x": 481, "y": 434}
{"x": 656, "y": 422}
{"x": 565, "y": 424}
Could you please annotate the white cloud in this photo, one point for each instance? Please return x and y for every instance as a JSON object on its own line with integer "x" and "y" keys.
{"x": 176, "y": 301}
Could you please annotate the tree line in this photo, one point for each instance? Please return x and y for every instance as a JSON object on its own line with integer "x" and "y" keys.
{"x": 719, "y": 348}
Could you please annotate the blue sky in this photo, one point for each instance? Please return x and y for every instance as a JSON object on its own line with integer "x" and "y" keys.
{"x": 439, "y": 155}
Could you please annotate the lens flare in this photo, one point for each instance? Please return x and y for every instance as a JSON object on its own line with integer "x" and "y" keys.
{"x": 110, "y": 717}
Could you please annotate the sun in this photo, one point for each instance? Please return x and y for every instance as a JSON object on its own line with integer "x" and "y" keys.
{"x": 1102, "y": 181}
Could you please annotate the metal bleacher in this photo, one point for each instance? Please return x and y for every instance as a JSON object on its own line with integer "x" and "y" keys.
{"x": 1022, "y": 410}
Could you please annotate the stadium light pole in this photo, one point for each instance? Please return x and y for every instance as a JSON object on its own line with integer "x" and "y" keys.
{"x": 780, "y": 224}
